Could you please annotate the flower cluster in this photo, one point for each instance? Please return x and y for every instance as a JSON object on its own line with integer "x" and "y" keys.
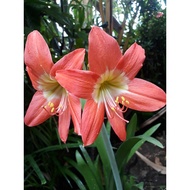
{"x": 109, "y": 86}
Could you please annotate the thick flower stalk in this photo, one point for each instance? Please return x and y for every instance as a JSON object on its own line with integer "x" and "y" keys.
{"x": 50, "y": 97}
{"x": 110, "y": 86}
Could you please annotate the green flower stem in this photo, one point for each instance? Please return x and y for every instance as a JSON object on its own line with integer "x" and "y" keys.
{"x": 108, "y": 158}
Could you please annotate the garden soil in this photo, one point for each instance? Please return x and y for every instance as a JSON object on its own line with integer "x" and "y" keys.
{"x": 152, "y": 179}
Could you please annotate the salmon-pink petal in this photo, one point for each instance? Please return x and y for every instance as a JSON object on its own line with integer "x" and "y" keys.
{"x": 144, "y": 96}
{"x": 64, "y": 123}
{"x": 36, "y": 114}
{"x": 75, "y": 109}
{"x": 37, "y": 55}
{"x": 33, "y": 77}
{"x": 132, "y": 60}
{"x": 72, "y": 60}
{"x": 92, "y": 120}
{"x": 104, "y": 52}
{"x": 78, "y": 82}
{"x": 117, "y": 124}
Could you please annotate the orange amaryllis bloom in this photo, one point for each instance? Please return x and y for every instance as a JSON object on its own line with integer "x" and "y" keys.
{"x": 51, "y": 98}
{"x": 109, "y": 84}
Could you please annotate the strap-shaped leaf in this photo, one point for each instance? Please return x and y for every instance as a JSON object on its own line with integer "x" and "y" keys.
{"x": 107, "y": 156}
{"x": 57, "y": 147}
{"x": 86, "y": 172}
{"x": 92, "y": 166}
{"x": 36, "y": 169}
{"x": 75, "y": 179}
{"x": 66, "y": 172}
{"x": 131, "y": 127}
{"x": 128, "y": 148}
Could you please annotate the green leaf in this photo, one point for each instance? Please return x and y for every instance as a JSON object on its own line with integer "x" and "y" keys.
{"x": 104, "y": 158}
{"x": 82, "y": 101}
{"x": 107, "y": 156}
{"x": 37, "y": 169}
{"x": 131, "y": 127}
{"x": 108, "y": 129}
{"x": 91, "y": 165}
{"x": 139, "y": 186}
{"x": 128, "y": 148}
{"x": 56, "y": 147}
{"x": 153, "y": 141}
{"x": 139, "y": 144}
{"x": 42, "y": 135}
{"x": 66, "y": 172}
{"x": 75, "y": 179}
{"x": 86, "y": 172}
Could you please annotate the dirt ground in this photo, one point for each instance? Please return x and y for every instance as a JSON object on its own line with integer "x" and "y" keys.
{"x": 152, "y": 179}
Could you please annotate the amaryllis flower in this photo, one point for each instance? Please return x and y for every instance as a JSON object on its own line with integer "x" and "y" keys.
{"x": 51, "y": 98}
{"x": 110, "y": 86}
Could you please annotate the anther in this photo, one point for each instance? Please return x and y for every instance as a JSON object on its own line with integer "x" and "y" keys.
{"x": 50, "y": 104}
{"x": 123, "y": 100}
{"x": 112, "y": 108}
{"x": 116, "y": 100}
{"x": 126, "y": 101}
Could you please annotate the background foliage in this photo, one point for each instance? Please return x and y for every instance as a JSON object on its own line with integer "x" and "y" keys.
{"x": 65, "y": 25}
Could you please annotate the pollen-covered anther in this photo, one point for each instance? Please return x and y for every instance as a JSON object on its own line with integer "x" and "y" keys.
{"x": 124, "y": 101}
{"x": 50, "y": 104}
{"x": 117, "y": 100}
{"x": 121, "y": 100}
{"x": 49, "y": 108}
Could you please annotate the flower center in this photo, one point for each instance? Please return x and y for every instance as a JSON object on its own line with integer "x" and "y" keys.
{"x": 109, "y": 89}
{"x": 55, "y": 94}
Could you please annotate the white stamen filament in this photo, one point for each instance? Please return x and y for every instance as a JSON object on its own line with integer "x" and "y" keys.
{"x": 106, "y": 106}
{"x": 54, "y": 93}
{"x": 62, "y": 105}
{"x": 108, "y": 89}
